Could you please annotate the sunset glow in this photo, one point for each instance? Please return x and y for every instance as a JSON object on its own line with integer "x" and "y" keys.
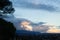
{"x": 26, "y": 25}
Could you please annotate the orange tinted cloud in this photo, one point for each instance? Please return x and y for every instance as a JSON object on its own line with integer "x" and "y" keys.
{"x": 26, "y": 26}
{"x": 53, "y": 30}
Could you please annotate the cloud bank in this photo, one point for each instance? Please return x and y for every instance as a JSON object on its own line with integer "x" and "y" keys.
{"x": 38, "y": 27}
{"x": 24, "y": 24}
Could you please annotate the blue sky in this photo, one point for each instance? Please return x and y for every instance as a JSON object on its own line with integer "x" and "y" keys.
{"x": 38, "y": 10}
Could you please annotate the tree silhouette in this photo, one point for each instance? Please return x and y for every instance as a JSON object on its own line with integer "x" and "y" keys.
{"x": 6, "y": 7}
{"x": 7, "y": 29}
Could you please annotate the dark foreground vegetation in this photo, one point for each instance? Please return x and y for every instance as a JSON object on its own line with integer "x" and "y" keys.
{"x": 42, "y": 36}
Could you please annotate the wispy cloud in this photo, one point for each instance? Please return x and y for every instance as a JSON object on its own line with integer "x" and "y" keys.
{"x": 48, "y": 5}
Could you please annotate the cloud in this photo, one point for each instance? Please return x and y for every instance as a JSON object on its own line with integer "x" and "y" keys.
{"x": 41, "y": 27}
{"x": 53, "y": 29}
{"x": 38, "y": 4}
{"x": 47, "y": 7}
{"x": 30, "y": 26}
{"x": 24, "y": 24}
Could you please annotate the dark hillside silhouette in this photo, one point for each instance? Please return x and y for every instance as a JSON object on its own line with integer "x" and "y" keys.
{"x": 7, "y": 29}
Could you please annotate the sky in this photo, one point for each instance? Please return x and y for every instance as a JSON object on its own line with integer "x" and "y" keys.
{"x": 38, "y": 10}
{"x": 30, "y": 14}
{"x": 38, "y": 16}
